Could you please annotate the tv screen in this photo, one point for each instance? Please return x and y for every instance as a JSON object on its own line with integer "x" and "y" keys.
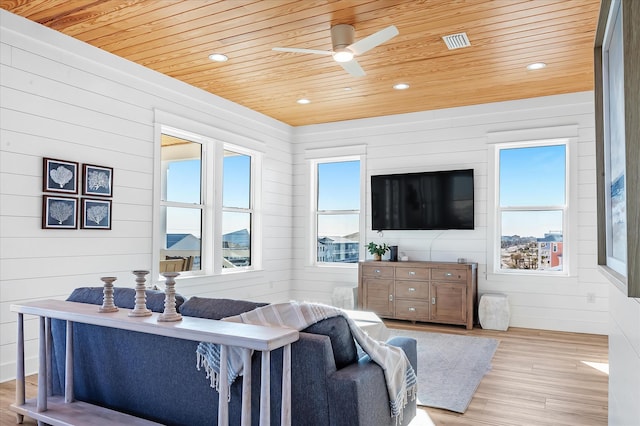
{"x": 428, "y": 200}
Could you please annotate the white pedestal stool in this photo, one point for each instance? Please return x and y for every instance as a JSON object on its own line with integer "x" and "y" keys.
{"x": 494, "y": 312}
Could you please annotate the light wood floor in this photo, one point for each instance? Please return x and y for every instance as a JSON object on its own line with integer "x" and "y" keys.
{"x": 537, "y": 378}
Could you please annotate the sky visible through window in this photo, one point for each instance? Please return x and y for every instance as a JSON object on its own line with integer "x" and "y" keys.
{"x": 532, "y": 177}
{"x": 183, "y": 185}
{"x": 339, "y": 189}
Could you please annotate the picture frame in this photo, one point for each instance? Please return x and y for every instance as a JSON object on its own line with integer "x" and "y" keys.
{"x": 60, "y": 176}
{"x": 96, "y": 214}
{"x": 59, "y": 212}
{"x": 97, "y": 181}
{"x": 617, "y": 111}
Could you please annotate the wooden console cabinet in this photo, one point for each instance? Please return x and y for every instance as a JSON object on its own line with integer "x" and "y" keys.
{"x": 443, "y": 292}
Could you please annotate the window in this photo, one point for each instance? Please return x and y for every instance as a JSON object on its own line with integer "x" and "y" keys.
{"x": 337, "y": 210}
{"x": 532, "y": 206}
{"x": 201, "y": 232}
{"x": 236, "y": 210}
{"x": 181, "y": 206}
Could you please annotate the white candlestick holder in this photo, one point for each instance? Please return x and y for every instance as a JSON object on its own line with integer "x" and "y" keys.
{"x": 170, "y": 313}
{"x": 107, "y": 298}
{"x": 140, "y": 308}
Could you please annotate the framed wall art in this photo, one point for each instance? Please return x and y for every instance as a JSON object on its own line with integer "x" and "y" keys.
{"x": 97, "y": 180}
{"x": 617, "y": 99}
{"x": 96, "y": 214}
{"x": 60, "y": 176}
{"x": 59, "y": 212}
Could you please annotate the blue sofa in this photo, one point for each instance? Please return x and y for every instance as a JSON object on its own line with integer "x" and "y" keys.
{"x": 155, "y": 377}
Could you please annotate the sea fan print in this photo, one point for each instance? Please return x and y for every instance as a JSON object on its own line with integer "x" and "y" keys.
{"x": 61, "y": 175}
{"x": 97, "y": 179}
{"x": 60, "y": 211}
{"x": 96, "y": 213}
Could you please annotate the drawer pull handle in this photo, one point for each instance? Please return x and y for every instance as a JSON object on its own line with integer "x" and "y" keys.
{"x": 412, "y": 289}
{"x": 412, "y": 309}
{"x": 412, "y": 272}
{"x": 433, "y": 300}
{"x": 377, "y": 271}
{"x": 391, "y": 298}
{"x": 448, "y": 274}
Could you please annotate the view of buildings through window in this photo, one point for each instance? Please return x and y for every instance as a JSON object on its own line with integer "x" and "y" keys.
{"x": 338, "y": 211}
{"x": 532, "y": 207}
{"x": 183, "y": 204}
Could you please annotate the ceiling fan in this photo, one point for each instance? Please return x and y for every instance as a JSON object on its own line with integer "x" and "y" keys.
{"x": 344, "y": 48}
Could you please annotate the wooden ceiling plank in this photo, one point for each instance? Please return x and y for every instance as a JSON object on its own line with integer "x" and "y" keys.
{"x": 41, "y": 10}
{"x": 159, "y": 29}
{"x": 133, "y": 18}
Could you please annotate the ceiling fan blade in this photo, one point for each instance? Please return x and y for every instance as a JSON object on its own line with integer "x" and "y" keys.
{"x": 296, "y": 50}
{"x": 353, "y": 68}
{"x": 375, "y": 39}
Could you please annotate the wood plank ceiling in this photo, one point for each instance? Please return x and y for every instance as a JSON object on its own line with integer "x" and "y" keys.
{"x": 175, "y": 37}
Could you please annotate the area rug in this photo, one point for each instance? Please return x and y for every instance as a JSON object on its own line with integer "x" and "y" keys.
{"x": 450, "y": 367}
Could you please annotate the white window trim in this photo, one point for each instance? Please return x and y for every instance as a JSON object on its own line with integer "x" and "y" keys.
{"x": 496, "y": 141}
{"x": 333, "y": 155}
{"x": 212, "y": 158}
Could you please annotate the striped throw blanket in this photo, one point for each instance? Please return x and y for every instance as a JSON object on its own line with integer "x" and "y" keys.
{"x": 399, "y": 375}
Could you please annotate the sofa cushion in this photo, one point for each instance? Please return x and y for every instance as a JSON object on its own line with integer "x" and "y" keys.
{"x": 123, "y": 297}
{"x": 342, "y": 342}
{"x": 205, "y": 307}
{"x": 336, "y": 328}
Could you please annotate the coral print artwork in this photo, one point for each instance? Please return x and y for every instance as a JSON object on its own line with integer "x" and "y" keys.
{"x": 59, "y": 212}
{"x": 96, "y": 214}
{"x": 60, "y": 176}
{"x": 97, "y": 180}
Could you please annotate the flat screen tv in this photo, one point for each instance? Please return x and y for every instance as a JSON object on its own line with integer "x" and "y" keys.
{"x": 418, "y": 201}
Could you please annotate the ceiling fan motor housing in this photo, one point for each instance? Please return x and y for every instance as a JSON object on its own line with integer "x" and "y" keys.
{"x": 342, "y": 36}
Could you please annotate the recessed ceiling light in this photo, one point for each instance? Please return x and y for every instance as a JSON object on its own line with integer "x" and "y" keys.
{"x": 303, "y": 101}
{"x": 536, "y": 66}
{"x": 218, "y": 57}
{"x": 401, "y": 86}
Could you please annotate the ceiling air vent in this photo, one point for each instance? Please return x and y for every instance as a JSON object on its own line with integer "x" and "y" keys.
{"x": 456, "y": 41}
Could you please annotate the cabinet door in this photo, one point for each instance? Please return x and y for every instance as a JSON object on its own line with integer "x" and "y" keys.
{"x": 378, "y": 296}
{"x": 449, "y": 302}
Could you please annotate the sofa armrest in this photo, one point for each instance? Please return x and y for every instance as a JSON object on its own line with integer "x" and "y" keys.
{"x": 410, "y": 348}
{"x": 359, "y": 391}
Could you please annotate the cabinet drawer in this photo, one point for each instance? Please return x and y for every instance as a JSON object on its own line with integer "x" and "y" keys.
{"x": 412, "y": 290}
{"x": 377, "y": 271}
{"x": 408, "y": 273}
{"x": 449, "y": 274}
{"x": 414, "y": 310}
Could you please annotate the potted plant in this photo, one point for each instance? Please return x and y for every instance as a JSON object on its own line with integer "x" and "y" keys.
{"x": 377, "y": 250}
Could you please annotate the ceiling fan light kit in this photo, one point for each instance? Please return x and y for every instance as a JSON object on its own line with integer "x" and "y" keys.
{"x": 342, "y": 55}
{"x": 344, "y": 47}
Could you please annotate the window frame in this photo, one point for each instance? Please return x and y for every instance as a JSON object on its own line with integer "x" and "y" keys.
{"x": 213, "y": 148}
{"x": 565, "y": 135}
{"x": 350, "y": 154}
{"x": 254, "y": 184}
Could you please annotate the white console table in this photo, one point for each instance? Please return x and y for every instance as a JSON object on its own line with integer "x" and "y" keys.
{"x": 66, "y": 411}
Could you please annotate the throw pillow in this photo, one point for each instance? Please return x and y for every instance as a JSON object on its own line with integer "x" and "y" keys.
{"x": 342, "y": 342}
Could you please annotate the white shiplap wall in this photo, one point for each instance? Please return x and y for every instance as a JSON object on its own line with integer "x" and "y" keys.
{"x": 452, "y": 139}
{"x": 61, "y": 98}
